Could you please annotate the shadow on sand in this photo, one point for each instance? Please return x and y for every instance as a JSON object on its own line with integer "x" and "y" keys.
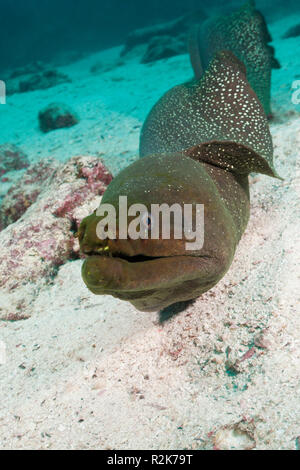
{"x": 174, "y": 309}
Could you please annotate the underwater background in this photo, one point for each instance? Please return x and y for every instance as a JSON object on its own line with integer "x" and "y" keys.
{"x": 41, "y": 30}
{"x": 83, "y": 371}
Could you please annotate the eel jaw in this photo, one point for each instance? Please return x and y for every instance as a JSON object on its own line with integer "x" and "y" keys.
{"x": 148, "y": 283}
{"x": 122, "y": 273}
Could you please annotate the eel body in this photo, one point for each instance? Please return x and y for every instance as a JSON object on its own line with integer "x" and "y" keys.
{"x": 198, "y": 145}
{"x": 244, "y": 33}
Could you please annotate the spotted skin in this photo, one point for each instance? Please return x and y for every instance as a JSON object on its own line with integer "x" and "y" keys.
{"x": 152, "y": 274}
{"x": 244, "y": 33}
{"x": 198, "y": 145}
{"x": 219, "y": 116}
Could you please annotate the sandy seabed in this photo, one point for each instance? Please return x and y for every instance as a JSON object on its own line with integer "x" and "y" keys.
{"x": 88, "y": 372}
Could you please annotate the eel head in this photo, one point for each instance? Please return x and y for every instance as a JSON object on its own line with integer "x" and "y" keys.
{"x": 154, "y": 273}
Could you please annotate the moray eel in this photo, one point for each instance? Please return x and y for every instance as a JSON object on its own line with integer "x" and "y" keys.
{"x": 198, "y": 145}
{"x": 244, "y": 33}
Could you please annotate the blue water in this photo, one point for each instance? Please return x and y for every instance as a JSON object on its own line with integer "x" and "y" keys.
{"x": 35, "y": 30}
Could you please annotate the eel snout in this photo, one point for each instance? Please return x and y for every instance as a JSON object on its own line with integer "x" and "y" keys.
{"x": 149, "y": 273}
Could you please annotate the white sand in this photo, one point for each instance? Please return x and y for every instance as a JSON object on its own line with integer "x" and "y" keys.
{"x": 92, "y": 372}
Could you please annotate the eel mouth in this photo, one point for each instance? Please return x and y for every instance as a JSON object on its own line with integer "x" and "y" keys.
{"x": 132, "y": 277}
{"x": 130, "y": 259}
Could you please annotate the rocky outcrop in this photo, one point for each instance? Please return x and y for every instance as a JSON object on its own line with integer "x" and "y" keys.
{"x": 56, "y": 116}
{"x": 292, "y": 32}
{"x": 43, "y": 238}
{"x": 12, "y": 158}
{"x": 41, "y": 80}
{"x": 28, "y": 69}
{"x": 175, "y": 28}
{"x": 26, "y": 191}
{"x": 162, "y": 47}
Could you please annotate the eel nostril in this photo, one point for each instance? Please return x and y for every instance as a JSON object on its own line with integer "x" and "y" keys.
{"x": 86, "y": 249}
{"x": 96, "y": 250}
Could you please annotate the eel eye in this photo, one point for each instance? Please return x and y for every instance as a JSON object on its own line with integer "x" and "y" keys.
{"x": 147, "y": 220}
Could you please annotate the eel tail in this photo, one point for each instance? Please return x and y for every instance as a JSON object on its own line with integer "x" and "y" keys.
{"x": 246, "y": 35}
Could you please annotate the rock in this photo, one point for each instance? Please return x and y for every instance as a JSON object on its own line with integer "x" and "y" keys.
{"x": 56, "y": 116}
{"x": 263, "y": 340}
{"x": 292, "y": 32}
{"x": 26, "y": 190}
{"x": 237, "y": 436}
{"x": 12, "y": 158}
{"x": 162, "y": 47}
{"x": 172, "y": 28}
{"x": 42, "y": 81}
{"x": 34, "y": 67}
{"x": 42, "y": 239}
